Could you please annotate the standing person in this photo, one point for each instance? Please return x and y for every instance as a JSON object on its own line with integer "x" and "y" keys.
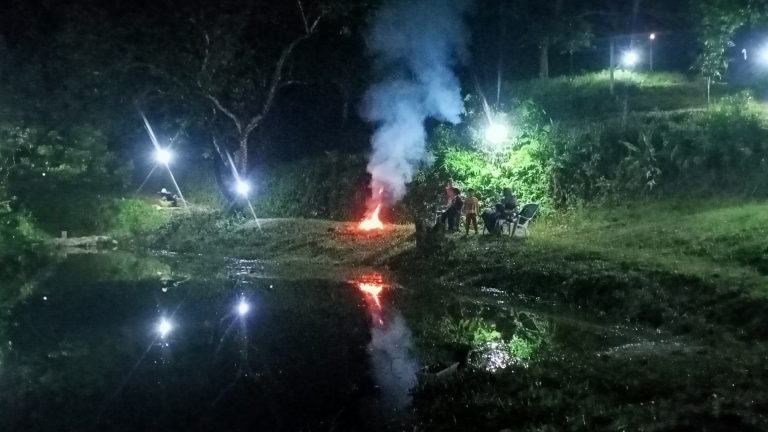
{"x": 453, "y": 213}
{"x": 471, "y": 208}
{"x": 449, "y": 194}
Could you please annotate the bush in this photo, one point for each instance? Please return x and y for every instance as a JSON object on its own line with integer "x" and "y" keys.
{"x": 62, "y": 177}
{"x": 132, "y": 217}
{"x": 334, "y": 186}
{"x": 589, "y": 95}
{"x": 721, "y": 150}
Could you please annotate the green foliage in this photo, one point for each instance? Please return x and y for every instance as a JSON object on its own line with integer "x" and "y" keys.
{"x": 714, "y": 151}
{"x": 62, "y": 177}
{"x": 133, "y": 217}
{"x": 22, "y": 247}
{"x": 477, "y": 333}
{"x": 717, "y": 22}
{"x": 334, "y": 186}
{"x": 589, "y": 95}
{"x": 522, "y": 163}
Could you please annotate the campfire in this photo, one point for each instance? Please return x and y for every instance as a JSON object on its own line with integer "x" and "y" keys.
{"x": 372, "y": 221}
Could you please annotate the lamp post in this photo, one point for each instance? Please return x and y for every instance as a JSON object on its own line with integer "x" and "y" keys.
{"x": 651, "y": 38}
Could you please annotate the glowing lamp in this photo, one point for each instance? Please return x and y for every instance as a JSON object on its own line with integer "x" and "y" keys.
{"x": 496, "y": 133}
{"x": 652, "y": 36}
{"x": 243, "y": 307}
{"x": 242, "y": 187}
{"x": 163, "y": 156}
{"x": 164, "y": 327}
{"x": 762, "y": 55}
{"x": 630, "y": 59}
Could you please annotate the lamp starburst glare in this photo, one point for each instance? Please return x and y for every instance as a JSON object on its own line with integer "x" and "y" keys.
{"x": 630, "y": 58}
{"x": 164, "y": 327}
{"x": 496, "y": 133}
{"x": 242, "y": 187}
{"x": 163, "y": 156}
{"x": 243, "y": 307}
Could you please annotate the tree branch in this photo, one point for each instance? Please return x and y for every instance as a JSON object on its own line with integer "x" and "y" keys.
{"x": 303, "y": 16}
{"x": 226, "y": 112}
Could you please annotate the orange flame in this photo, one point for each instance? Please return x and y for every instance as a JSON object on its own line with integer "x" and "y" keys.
{"x": 372, "y": 222}
{"x": 372, "y": 285}
{"x": 373, "y": 290}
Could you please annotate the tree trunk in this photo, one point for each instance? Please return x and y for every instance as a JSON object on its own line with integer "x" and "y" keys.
{"x": 544, "y": 59}
{"x": 242, "y": 155}
{"x": 613, "y": 61}
{"x": 709, "y": 87}
{"x": 570, "y": 62}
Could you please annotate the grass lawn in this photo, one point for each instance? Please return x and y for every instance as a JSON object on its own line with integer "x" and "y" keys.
{"x": 715, "y": 241}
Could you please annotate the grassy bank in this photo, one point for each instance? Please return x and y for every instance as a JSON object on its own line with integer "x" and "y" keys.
{"x": 313, "y": 240}
{"x": 677, "y": 265}
{"x": 689, "y": 277}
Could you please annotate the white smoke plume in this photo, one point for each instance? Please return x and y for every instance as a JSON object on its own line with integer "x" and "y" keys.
{"x": 415, "y": 44}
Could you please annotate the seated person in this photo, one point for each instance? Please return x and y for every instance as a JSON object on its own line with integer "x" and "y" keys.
{"x": 492, "y": 218}
{"x": 452, "y": 214}
{"x": 509, "y": 200}
{"x": 168, "y": 199}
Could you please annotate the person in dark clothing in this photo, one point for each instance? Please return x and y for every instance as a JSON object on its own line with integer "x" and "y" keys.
{"x": 491, "y": 218}
{"x": 452, "y": 214}
{"x": 509, "y": 200}
{"x": 167, "y": 198}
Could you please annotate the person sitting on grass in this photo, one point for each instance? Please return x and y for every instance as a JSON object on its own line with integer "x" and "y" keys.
{"x": 168, "y": 199}
{"x": 492, "y": 218}
{"x": 452, "y": 214}
{"x": 471, "y": 208}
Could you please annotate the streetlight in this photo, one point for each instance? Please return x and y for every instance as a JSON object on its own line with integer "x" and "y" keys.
{"x": 652, "y": 38}
{"x": 242, "y": 187}
{"x": 163, "y": 156}
{"x": 630, "y": 58}
{"x": 762, "y": 55}
{"x": 496, "y": 133}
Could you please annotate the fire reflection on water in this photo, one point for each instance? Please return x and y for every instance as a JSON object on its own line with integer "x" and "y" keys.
{"x": 391, "y": 346}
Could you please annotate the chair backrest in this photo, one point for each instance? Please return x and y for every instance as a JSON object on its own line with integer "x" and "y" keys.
{"x": 528, "y": 212}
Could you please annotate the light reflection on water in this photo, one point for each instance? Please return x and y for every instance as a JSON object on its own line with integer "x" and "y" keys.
{"x": 391, "y": 347}
{"x": 238, "y": 352}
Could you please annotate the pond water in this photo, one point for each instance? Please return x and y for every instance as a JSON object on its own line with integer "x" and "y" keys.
{"x": 120, "y": 342}
{"x": 133, "y": 343}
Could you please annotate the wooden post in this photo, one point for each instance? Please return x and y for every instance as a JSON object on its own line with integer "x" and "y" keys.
{"x": 63, "y": 235}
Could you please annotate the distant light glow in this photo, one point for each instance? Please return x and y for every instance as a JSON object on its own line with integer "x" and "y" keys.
{"x": 163, "y": 156}
{"x": 630, "y": 58}
{"x": 762, "y": 55}
{"x": 242, "y": 187}
{"x": 652, "y": 36}
{"x": 243, "y": 307}
{"x": 164, "y": 327}
{"x": 496, "y": 133}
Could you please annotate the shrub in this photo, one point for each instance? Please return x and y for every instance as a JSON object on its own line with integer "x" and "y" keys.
{"x": 333, "y": 186}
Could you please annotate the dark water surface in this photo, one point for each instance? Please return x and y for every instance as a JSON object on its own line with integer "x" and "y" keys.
{"x": 85, "y": 349}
